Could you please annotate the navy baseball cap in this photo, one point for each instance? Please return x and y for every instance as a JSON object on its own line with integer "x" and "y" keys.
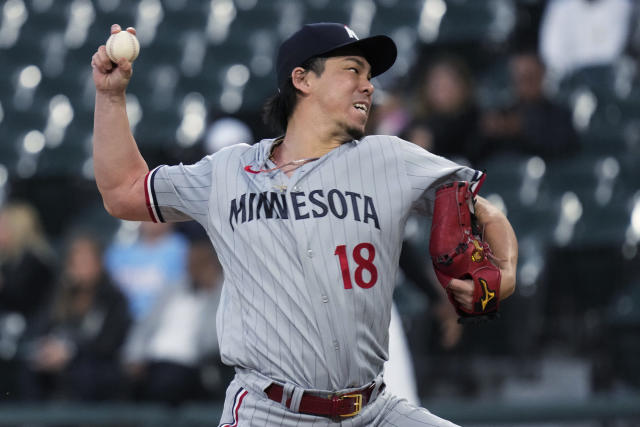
{"x": 323, "y": 38}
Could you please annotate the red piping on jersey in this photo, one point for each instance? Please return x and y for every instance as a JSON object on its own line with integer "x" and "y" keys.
{"x": 479, "y": 183}
{"x": 248, "y": 169}
{"x": 236, "y": 409}
{"x": 146, "y": 196}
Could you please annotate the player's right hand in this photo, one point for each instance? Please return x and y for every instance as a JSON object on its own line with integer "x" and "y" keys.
{"x": 109, "y": 77}
{"x": 462, "y": 291}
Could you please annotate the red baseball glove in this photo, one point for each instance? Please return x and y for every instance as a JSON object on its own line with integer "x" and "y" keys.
{"x": 458, "y": 251}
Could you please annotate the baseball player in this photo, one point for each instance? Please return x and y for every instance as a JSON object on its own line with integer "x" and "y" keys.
{"x": 308, "y": 228}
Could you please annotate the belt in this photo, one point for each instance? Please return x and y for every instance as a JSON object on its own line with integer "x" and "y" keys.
{"x": 333, "y": 406}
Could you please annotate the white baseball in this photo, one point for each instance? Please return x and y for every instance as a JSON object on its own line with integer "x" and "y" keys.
{"x": 123, "y": 45}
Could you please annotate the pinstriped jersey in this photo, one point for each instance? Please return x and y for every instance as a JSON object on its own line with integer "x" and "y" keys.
{"x": 309, "y": 260}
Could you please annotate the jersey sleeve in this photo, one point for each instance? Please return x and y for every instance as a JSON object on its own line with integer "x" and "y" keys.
{"x": 427, "y": 171}
{"x": 180, "y": 192}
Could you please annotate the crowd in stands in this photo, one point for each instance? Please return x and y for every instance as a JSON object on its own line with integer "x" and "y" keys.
{"x": 133, "y": 321}
{"x": 135, "y": 318}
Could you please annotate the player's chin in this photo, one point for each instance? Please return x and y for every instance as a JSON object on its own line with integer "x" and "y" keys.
{"x": 355, "y": 132}
{"x": 356, "y": 129}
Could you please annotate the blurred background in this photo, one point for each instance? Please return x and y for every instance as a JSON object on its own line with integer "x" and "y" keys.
{"x": 542, "y": 95}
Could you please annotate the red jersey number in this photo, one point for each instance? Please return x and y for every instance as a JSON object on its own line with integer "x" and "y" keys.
{"x": 364, "y": 263}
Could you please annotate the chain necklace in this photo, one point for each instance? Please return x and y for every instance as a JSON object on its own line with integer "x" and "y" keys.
{"x": 297, "y": 163}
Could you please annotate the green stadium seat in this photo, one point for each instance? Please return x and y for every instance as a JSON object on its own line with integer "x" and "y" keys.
{"x": 193, "y": 15}
{"x": 328, "y": 11}
{"x": 505, "y": 173}
{"x": 390, "y": 16}
{"x": 157, "y": 128}
{"x": 602, "y": 226}
{"x": 600, "y": 79}
{"x": 123, "y": 15}
{"x": 466, "y": 21}
{"x": 576, "y": 174}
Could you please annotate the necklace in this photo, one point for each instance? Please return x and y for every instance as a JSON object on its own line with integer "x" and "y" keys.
{"x": 297, "y": 163}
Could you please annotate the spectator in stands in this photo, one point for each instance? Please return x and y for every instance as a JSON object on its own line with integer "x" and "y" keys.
{"x": 390, "y": 114}
{"x": 75, "y": 346}
{"x": 26, "y": 281}
{"x": 143, "y": 269}
{"x": 581, "y": 33}
{"x": 167, "y": 351}
{"x": 445, "y": 120}
{"x": 533, "y": 123}
{"x": 26, "y": 260}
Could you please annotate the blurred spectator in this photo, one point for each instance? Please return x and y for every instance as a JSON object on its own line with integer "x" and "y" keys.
{"x": 166, "y": 351}
{"x": 146, "y": 267}
{"x": 533, "y": 123}
{"x": 446, "y": 116}
{"x": 580, "y": 33}
{"x": 75, "y": 346}
{"x": 26, "y": 260}
{"x": 226, "y": 131}
{"x": 26, "y": 281}
{"x": 390, "y": 114}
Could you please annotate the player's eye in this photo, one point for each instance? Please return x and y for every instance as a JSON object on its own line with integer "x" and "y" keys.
{"x": 354, "y": 69}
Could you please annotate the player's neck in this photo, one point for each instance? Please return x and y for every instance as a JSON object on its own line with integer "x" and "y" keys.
{"x": 307, "y": 140}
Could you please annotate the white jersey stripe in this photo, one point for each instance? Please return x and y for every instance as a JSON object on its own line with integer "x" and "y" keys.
{"x": 477, "y": 181}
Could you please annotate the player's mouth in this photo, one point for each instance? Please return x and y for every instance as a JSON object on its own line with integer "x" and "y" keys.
{"x": 363, "y": 108}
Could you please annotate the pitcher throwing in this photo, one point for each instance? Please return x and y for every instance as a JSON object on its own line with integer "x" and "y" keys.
{"x": 308, "y": 228}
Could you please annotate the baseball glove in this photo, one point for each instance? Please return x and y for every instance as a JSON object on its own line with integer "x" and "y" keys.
{"x": 458, "y": 251}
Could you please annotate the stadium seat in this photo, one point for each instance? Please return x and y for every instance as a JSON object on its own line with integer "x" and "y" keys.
{"x": 600, "y": 79}
{"x": 505, "y": 173}
{"x": 468, "y": 21}
{"x": 124, "y": 15}
{"x": 623, "y": 326}
{"x": 390, "y": 16}
{"x": 328, "y": 11}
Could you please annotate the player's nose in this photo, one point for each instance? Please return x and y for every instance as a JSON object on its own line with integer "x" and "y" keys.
{"x": 366, "y": 86}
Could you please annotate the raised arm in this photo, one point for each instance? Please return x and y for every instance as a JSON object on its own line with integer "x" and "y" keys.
{"x": 118, "y": 165}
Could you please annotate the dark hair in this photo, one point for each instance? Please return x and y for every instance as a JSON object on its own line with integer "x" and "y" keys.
{"x": 278, "y": 109}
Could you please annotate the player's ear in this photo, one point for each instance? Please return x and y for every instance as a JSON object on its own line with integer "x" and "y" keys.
{"x": 300, "y": 79}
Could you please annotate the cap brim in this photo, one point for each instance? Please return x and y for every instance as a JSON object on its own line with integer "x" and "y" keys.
{"x": 380, "y": 52}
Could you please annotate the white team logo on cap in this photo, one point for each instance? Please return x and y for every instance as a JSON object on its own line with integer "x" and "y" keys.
{"x": 351, "y": 33}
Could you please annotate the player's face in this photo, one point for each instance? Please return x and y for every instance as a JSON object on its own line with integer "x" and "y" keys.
{"x": 344, "y": 93}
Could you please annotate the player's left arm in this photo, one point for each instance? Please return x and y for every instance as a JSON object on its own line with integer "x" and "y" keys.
{"x": 501, "y": 238}
{"x": 502, "y": 241}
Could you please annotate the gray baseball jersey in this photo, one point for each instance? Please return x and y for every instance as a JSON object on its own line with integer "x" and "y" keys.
{"x": 309, "y": 260}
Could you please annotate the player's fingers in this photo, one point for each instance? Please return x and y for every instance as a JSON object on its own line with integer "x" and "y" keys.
{"x": 95, "y": 65}
{"x": 131, "y": 30}
{"x": 103, "y": 58}
{"x": 100, "y": 61}
{"x": 462, "y": 291}
{"x": 458, "y": 286}
{"x": 125, "y": 67}
{"x": 115, "y": 28}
